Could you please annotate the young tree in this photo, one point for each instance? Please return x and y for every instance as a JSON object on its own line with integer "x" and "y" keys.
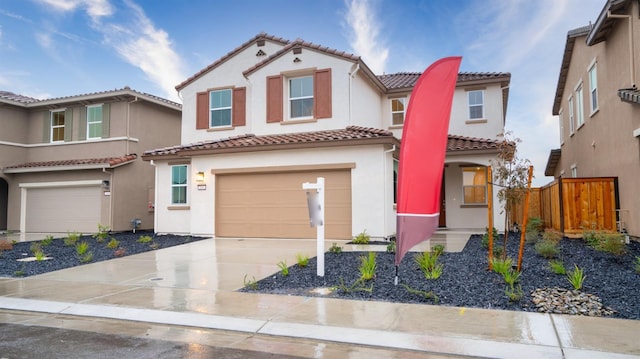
{"x": 511, "y": 176}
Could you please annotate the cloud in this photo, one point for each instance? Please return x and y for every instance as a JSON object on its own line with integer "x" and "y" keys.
{"x": 142, "y": 45}
{"x": 95, "y": 8}
{"x": 364, "y": 27}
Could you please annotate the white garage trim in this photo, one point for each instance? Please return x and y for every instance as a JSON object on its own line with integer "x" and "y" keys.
{"x": 274, "y": 169}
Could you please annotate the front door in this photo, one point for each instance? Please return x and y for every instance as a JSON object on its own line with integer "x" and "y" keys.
{"x": 442, "y": 220}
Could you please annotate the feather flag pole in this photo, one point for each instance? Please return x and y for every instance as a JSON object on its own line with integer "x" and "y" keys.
{"x": 422, "y": 153}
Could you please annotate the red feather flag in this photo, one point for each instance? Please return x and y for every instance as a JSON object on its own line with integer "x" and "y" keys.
{"x": 422, "y": 152}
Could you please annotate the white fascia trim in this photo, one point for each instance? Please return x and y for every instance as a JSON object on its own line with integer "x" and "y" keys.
{"x": 62, "y": 143}
{"x": 636, "y": 132}
{"x": 57, "y": 168}
{"x": 88, "y": 183}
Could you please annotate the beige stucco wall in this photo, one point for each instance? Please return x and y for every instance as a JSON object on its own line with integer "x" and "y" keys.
{"x": 605, "y": 145}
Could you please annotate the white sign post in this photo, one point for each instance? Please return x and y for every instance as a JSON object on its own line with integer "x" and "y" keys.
{"x": 315, "y": 201}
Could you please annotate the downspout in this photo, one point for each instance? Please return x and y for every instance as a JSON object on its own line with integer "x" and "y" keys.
{"x": 155, "y": 195}
{"x": 104, "y": 170}
{"x": 386, "y": 208}
{"x": 352, "y": 75}
{"x": 631, "y": 43}
{"x": 128, "y": 124}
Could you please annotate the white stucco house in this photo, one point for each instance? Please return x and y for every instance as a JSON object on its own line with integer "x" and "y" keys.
{"x": 273, "y": 114}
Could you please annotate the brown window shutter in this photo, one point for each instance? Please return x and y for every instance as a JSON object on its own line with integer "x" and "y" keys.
{"x": 274, "y": 99}
{"x": 202, "y": 110}
{"x": 322, "y": 89}
{"x": 239, "y": 106}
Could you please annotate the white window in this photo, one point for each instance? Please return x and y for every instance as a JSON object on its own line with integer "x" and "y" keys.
{"x": 593, "y": 87}
{"x": 475, "y": 100}
{"x": 57, "y": 126}
{"x": 572, "y": 123}
{"x": 579, "y": 106}
{"x": 474, "y": 185}
{"x": 301, "y": 97}
{"x": 561, "y": 123}
{"x": 398, "y": 109}
{"x": 94, "y": 121}
{"x": 179, "y": 184}
{"x": 220, "y": 108}
{"x": 574, "y": 171}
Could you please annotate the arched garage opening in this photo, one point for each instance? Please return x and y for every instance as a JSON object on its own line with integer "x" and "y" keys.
{"x": 4, "y": 202}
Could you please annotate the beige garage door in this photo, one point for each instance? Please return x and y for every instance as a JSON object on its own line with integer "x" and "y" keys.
{"x": 274, "y": 205}
{"x": 63, "y": 209}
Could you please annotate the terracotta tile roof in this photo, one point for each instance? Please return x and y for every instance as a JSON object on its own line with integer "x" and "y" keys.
{"x": 351, "y": 135}
{"x": 91, "y": 162}
{"x": 260, "y": 36}
{"x": 252, "y": 142}
{"x": 408, "y": 79}
{"x": 299, "y": 43}
{"x": 462, "y": 143}
{"x": 629, "y": 95}
{"x": 6, "y": 95}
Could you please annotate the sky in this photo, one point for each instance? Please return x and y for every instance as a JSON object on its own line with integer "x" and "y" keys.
{"x": 56, "y": 48}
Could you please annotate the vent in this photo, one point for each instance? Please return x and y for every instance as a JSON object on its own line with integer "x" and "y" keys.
{"x": 297, "y": 50}
{"x": 260, "y": 42}
{"x": 296, "y": 60}
{"x": 261, "y": 53}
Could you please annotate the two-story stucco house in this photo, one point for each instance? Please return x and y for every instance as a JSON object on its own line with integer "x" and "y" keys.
{"x": 273, "y": 114}
{"x": 598, "y": 106}
{"x": 71, "y": 163}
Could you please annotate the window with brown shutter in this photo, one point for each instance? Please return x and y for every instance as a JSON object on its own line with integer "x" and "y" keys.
{"x": 274, "y": 99}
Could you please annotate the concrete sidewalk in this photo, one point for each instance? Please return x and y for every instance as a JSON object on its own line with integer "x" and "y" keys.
{"x": 193, "y": 286}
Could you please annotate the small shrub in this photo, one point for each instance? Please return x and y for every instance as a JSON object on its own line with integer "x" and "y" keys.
{"x": 636, "y": 265}
{"x": 428, "y": 263}
{"x": 303, "y": 259}
{"x": 103, "y": 233}
{"x": 48, "y": 239}
{"x": 250, "y": 283}
{"x": 511, "y": 277}
{"x": 357, "y": 286}
{"x": 547, "y": 249}
{"x": 612, "y": 243}
{"x": 335, "y": 248}
{"x": 427, "y": 295}
{"x": 535, "y": 224}
{"x": 485, "y": 237}
{"x": 82, "y": 248}
{"x": 501, "y": 266}
{"x": 113, "y": 243}
{"x": 154, "y": 245}
{"x": 87, "y": 257}
{"x": 576, "y": 277}
{"x": 514, "y": 293}
{"x": 40, "y": 256}
{"x": 438, "y": 249}
{"x": 557, "y": 267}
{"x": 368, "y": 266}
{"x": 144, "y": 239}
{"x": 551, "y": 235}
{"x": 119, "y": 252}
{"x": 498, "y": 252}
{"x": 35, "y": 247}
{"x": 362, "y": 238}
{"x": 532, "y": 237}
{"x": 71, "y": 239}
{"x": 391, "y": 247}
{"x": 284, "y": 269}
{"x": 591, "y": 237}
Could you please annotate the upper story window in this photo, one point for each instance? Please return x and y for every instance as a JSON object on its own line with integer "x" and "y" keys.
{"x": 220, "y": 108}
{"x": 474, "y": 185}
{"x": 572, "y": 123}
{"x": 475, "y": 99}
{"x": 57, "y": 125}
{"x": 179, "y": 184}
{"x": 94, "y": 121}
{"x": 301, "y": 97}
{"x": 579, "y": 106}
{"x": 593, "y": 87}
{"x": 398, "y": 109}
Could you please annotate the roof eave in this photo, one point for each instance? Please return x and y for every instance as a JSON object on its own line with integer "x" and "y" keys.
{"x": 596, "y": 35}
{"x": 113, "y": 95}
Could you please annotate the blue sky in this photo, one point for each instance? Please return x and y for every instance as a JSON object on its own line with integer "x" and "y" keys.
{"x": 54, "y": 48}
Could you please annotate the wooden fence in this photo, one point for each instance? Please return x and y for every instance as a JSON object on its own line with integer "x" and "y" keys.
{"x": 571, "y": 205}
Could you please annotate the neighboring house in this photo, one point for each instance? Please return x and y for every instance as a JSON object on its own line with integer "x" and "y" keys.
{"x": 273, "y": 114}
{"x": 71, "y": 163}
{"x": 598, "y": 105}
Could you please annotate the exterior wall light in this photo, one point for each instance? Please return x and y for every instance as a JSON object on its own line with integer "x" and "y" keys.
{"x": 200, "y": 177}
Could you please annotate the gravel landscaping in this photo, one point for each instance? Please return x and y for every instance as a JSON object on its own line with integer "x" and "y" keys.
{"x": 21, "y": 262}
{"x": 611, "y": 286}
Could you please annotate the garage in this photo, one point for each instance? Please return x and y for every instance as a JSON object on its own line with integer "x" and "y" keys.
{"x": 63, "y": 209}
{"x": 274, "y": 205}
